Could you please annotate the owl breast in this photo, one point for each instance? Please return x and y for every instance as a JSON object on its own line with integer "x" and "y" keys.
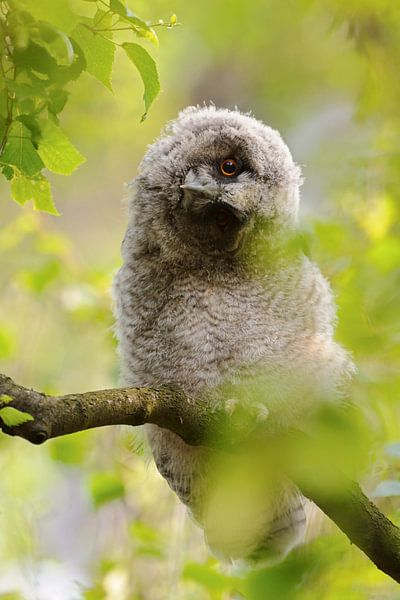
{"x": 195, "y": 333}
{"x": 201, "y": 330}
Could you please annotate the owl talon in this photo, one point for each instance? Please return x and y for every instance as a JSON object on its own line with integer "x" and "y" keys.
{"x": 252, "y": 415}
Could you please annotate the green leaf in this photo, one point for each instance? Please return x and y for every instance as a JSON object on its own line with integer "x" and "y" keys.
{"x": 118, "y": 7}
{"x": 7, "y": 347}
{"x": 5, "y": 399}
{"x": 38, "y": 190}
{"x": 99, "y": 52}
{"x": 55, "y": 149}
{"x": 148, "y": 72}
{"x": 56, "y": 43}
{"x": 56, "y": 12}
{"x": 148, "y": 540}
{"x": 57, "y": 101}
{"x": 8, "y": 172}
{"x": 207, "y": 576}
{"x": 70, "y": 449}
{"x": 42, "y": 197}
{"x": 63, "y": 74}
{"x": 36, "y": 58}
{"x": 13, "y": 417}
{"x": 20, "y": 152}
{"x": 105, "y": 487}
{"x": 21, "y": 90}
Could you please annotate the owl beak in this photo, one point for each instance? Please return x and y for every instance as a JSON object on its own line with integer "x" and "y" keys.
{"x": 202, "y": 195}
{"x": 206, "y": 190}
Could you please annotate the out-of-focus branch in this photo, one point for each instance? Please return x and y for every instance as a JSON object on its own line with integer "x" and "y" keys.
{"x": 347, "y": 506}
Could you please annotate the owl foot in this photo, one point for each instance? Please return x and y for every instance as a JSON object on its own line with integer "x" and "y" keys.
{"x": 246, "y": 417}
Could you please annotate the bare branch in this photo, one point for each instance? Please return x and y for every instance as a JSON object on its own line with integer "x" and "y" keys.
{"x": 348, "y": 507}
{"x": 166, "y": 406}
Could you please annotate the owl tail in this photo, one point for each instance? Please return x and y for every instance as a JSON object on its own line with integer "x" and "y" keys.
{"x": 262, "y": 536}
{"x": 286, "y": 531}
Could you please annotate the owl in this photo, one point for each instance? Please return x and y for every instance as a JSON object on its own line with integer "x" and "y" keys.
{"x": 212, "y": 297}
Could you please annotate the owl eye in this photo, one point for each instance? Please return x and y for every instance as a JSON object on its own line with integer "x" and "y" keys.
{"x": 229, "y": 167}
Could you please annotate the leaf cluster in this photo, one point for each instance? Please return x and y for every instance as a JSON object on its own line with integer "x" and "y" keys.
{"x": 45, "y": 46}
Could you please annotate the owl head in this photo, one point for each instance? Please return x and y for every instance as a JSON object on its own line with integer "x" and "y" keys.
{"x": 211, "y": 181}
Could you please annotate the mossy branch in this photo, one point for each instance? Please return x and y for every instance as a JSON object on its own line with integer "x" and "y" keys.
{"x": 167, "y": 407}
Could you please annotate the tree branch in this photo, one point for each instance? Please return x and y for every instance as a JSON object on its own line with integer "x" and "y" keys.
{"x": 347, "y": 506}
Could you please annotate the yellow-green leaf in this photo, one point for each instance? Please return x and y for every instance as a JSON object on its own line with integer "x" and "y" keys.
{"x": 148, "y": 34}
{"x": 99, "y": 52}
{"x": 12, "y": 417}
{"x": 57, "y": 44}
{"x": 20, "y": 152}
{"x": 58, "y": 12}
{"x": 5, "y": 399}
{"x": 56, "y": 151}
{"x": 105, "y": 486}
{"x": 38, "y": 190}
{"x": 148, "y": 72}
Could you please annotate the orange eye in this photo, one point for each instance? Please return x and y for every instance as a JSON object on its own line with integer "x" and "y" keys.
{"x": 229, "y": 167}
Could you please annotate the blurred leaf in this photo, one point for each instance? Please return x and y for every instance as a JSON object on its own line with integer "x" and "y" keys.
{"x": 281, "y": 581}
{"x": 36, "y": 58}
{"x": 70, "y": 449}
{"x": 148, "y": 539}
{"x": 210, "y": 578}
{"x": 40, "y": 275}
{"x": 7, "y": 342}
{"x": 148, "y": 34}
{"x": 8, "y": 172}
{"x": 148, "y": 72}
{"x": 105, "y": 487}
{"x": 144, "y": 533}
{"x": 57, "y": 13}
{"x": 98, "y": 592}
{"x": 385, "y": 254}
{"x": 13, "y": 417}
{"x": 5, "y": 399}
{"x": 377, "y": 216}
{"x": 56, "y": 43}
{"x": 57, "y": 101}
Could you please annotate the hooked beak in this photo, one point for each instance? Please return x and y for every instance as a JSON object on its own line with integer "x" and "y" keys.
{"x": 206, "y": 190}
{"x": 202, "y": 195}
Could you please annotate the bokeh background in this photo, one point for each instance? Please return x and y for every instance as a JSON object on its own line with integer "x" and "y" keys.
{"x": 87, "y": 516}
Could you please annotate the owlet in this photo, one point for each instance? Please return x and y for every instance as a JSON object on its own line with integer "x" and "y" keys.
{"x": 209, "y": 298}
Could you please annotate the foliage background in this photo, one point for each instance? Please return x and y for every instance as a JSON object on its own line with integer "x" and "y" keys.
{"x": 87, "y": 516}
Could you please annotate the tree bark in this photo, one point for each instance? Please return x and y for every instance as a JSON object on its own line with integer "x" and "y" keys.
{"x": 197, "y": 424}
